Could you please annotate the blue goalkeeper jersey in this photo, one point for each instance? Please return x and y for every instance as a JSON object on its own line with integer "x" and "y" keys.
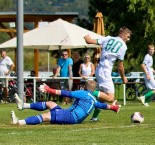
{"x": 83, "y": 105}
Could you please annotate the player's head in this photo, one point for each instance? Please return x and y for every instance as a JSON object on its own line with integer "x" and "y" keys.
{"x": 3, "y": 53}
{"x": 91, "y": 85}
{"x": 125, "y": 34}
{"x": 151, "y": 49}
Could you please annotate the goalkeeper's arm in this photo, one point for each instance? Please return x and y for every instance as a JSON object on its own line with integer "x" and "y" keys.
{"x": 64, "y": 93}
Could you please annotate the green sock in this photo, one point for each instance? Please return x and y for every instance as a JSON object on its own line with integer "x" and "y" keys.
{"x": 96, "y": 93}
{"x": 96, "y": 113}
{"x": 148, "y": 96}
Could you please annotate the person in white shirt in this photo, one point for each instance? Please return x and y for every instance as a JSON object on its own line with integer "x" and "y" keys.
{"x": 147, "y": 67}
{"x": 6, "y": 66}
{"x": 86, "y": 69}
{"x": 113, "y": 48}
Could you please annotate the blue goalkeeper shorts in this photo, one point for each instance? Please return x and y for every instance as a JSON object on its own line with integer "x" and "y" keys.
{"x": 61, "y": 116}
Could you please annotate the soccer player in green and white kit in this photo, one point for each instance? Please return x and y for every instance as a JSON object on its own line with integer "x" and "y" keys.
{"x": 148, "y": 76}
{"x": 113, "y": 48}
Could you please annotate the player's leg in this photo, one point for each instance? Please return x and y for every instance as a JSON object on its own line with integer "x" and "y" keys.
{"x": 114, "y": 107}
{"x": 37, "y": 119}
{"x": 146, "y": 98}
{"x": 39, "y": 106}
{"x": 95, "y": 115}
{"x": 105, "y": 85}
{"x": 106, "y": 95}
{"x": 103, "y": 97}
{"x": 33, "y": 120}
{"x": 61, "y": 116}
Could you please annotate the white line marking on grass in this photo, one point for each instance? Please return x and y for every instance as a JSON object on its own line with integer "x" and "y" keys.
{"x": 109, "y": 127}
{"x": 14, "y": 133}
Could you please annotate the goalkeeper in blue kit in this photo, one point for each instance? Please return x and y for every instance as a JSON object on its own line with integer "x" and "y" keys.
{"x": 83, "y": 105}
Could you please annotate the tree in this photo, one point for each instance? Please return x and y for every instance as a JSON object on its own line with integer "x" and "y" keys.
{"x": 5, "y": 5}
{"x": 137, "y": 15}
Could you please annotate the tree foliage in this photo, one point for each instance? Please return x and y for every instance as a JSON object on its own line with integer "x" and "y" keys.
{"x": 137, "y": 15}
{"x": 5, "y": 5}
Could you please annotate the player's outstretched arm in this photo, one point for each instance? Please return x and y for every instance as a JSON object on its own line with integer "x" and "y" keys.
{"x": 114, "y": 107}
{"x": 64, "y": 93}
{"x": 89, "y": 40}
{"x": 45, "y": 88}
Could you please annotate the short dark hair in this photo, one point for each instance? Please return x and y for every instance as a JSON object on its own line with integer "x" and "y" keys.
{"x": 2, "y": 50}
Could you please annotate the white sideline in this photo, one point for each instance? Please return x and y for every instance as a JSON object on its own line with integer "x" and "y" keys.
{"x": 83, "y": 129}
{"x": 109, "y": 127}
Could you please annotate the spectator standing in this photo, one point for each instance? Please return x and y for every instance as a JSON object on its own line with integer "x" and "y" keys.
{"x": 6, "y": 66}
{"x": 65, "y": 69}
{"x": 77, "y": 61}
{"x": 86, "y": 69}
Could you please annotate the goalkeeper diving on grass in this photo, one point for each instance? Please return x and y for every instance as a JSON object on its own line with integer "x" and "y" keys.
{"x": 83, "y": 105}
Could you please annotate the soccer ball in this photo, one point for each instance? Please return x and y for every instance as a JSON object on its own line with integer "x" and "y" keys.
{"x": 137, "y": 117}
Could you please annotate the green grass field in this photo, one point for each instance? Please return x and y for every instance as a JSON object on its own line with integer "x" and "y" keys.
{"x": 112, "y": 129}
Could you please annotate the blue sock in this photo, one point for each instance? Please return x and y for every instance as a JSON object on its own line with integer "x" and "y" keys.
{"x": 39, "y": 106}
{"x": 33, "y": 120}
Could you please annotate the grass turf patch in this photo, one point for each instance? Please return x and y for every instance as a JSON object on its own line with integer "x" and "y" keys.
{"x": 112, "y": 129}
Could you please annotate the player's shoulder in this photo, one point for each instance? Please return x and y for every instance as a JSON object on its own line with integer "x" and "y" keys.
{"x": 119, "y": 39}
{"x": 79, "y": 92}
{"x": 147, "y": 56}
{"x": 7, "y": 57}
{"x": 103, "y": 38}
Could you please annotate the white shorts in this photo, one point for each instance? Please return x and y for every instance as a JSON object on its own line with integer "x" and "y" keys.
{"x": 150, "y": 84}
{"x": 104, "y": 79}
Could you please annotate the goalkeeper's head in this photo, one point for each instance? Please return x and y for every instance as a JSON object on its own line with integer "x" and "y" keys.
{"x": 91, "y": 85}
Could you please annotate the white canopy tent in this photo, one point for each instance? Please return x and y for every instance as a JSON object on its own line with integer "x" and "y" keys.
{"x": 57, "y": 34}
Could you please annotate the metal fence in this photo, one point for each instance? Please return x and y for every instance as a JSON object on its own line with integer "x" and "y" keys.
{"x": 43, "y": 80}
